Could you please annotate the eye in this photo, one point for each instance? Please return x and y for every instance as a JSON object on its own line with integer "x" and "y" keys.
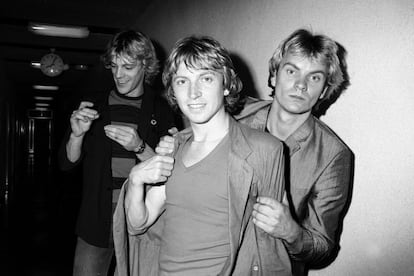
{"x": 129, "y": 66}
{"x": 316, "y": 78}
{"x": 290, "y": 71}
{"x": 207, "y": 79}
{"x": 179, "y": 81}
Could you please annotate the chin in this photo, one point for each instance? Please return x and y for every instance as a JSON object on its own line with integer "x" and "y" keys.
{"x": 123, "y": 91}
{"x": 197, "y": 120}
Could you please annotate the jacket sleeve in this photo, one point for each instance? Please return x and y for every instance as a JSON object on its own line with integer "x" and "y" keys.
{"x": 325, "y": 207}
{"x": 274, "y": 258}
{"x": 273, "y": 173}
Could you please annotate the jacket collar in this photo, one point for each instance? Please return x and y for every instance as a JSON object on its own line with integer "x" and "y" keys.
{"x": 252, "y": 106}
{"x": 260, "y": 109}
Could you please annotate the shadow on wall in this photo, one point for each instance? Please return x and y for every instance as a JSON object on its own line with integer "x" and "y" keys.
{"x": 245, "y": 75}
{"x": 321, "y": 107}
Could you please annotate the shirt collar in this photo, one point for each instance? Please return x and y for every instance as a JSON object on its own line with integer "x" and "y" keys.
{"x": 238, "y": 142}
{"x": 300, "y": 135}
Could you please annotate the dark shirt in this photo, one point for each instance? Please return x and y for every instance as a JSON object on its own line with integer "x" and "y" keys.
{"x": 95, "y": 213}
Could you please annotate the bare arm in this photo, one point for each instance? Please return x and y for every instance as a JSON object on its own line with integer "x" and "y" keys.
{"x": 142, "y": 210}
{"x": 80, "y": 122}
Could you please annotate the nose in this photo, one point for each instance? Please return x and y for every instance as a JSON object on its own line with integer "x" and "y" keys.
{"x": 301, "y": 85}
{"x": 118, "y": 72}
{"x": 195, "y": 91}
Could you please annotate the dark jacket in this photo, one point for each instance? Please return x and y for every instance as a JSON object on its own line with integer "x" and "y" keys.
{"x": 95, "y": 214}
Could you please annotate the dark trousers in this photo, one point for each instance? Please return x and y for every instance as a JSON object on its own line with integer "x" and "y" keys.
{"x": 91, "y": 260}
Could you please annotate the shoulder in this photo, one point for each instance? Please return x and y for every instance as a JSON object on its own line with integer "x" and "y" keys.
{"x": 96, "y": 96}
{"x": 253, "y": 106}
{"x": 259, "y": 140}
{"x": 330, "y": 139}
{"x": 156, "y": 96}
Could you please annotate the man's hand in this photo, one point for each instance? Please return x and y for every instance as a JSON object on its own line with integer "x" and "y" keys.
{"x": 82, "y": 118}
{"x": 166, "y": 144}
{"x": 126, "y": 136}
{"x": 154, "y": 170}
{"x": 275, "y": 219}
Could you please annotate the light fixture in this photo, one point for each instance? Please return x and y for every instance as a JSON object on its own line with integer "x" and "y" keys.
{"x": 81, "y": 67}
{"x": 59, "y": 30}
{"x": 42, "y": 104}
{"x": 46, "y": 87}
{"x": 41, "y": 108}
{"x": 35, "y": 64}
{"x": 43, "y": 98}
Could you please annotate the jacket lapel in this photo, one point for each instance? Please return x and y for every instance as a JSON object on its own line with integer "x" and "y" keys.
{"x": 240, "y": 178}
{"x": 147, "y": 112}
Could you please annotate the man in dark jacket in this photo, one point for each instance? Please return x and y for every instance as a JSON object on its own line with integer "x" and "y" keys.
{"x": 110, "y": 133}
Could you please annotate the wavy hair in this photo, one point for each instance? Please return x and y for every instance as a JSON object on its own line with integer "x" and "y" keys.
{"x": 136, "y": 46}
{"x": 203, "y": 53}
{"x": 318, "y": 47}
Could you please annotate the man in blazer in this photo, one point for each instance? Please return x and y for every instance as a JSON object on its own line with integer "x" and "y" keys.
{"x": 200, "y": 221}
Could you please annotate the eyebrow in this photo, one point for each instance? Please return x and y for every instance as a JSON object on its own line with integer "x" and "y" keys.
{"x": 297, "y": 68}
{"x": 178, "y": 77}
{"x": 203, "y": 73}
{"x": 207, "y": 72}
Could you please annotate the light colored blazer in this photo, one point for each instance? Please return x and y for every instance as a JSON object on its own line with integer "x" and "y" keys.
{"x": 321, "y": 174}
{"x": 256, "y": 168}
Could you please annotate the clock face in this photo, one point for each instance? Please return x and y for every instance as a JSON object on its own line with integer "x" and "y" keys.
{"x": 51, "y": 65}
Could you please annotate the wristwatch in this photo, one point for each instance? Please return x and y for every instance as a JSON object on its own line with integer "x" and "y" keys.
{"x": 140, "y": 148}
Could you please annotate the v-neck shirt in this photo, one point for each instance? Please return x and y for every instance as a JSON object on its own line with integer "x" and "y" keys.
{"x": 195, "y": 239}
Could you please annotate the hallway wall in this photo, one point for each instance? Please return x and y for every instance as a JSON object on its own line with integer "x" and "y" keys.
{"x": 374, "y": 116}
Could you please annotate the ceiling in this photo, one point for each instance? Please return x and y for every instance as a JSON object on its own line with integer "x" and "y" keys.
{"x": 19, "y": 47}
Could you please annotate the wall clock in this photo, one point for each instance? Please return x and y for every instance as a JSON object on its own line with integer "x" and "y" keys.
{"x": 52, "y": 65}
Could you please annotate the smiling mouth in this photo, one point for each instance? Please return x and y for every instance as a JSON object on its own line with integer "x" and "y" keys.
{"x": 196, "y": 106}
{"x": 123, "y": 82}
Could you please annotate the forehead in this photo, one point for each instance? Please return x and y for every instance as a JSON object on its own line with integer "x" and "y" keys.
{"x": 184, "y": 69}
{"x": 303, "y": 62}
{"x": 122, "y": 58}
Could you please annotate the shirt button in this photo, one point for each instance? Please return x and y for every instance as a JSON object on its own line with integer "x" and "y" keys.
{"x": 255, "y": 268}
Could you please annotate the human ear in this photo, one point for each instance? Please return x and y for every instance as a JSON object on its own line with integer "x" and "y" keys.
{"x": 272, "y": 80}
